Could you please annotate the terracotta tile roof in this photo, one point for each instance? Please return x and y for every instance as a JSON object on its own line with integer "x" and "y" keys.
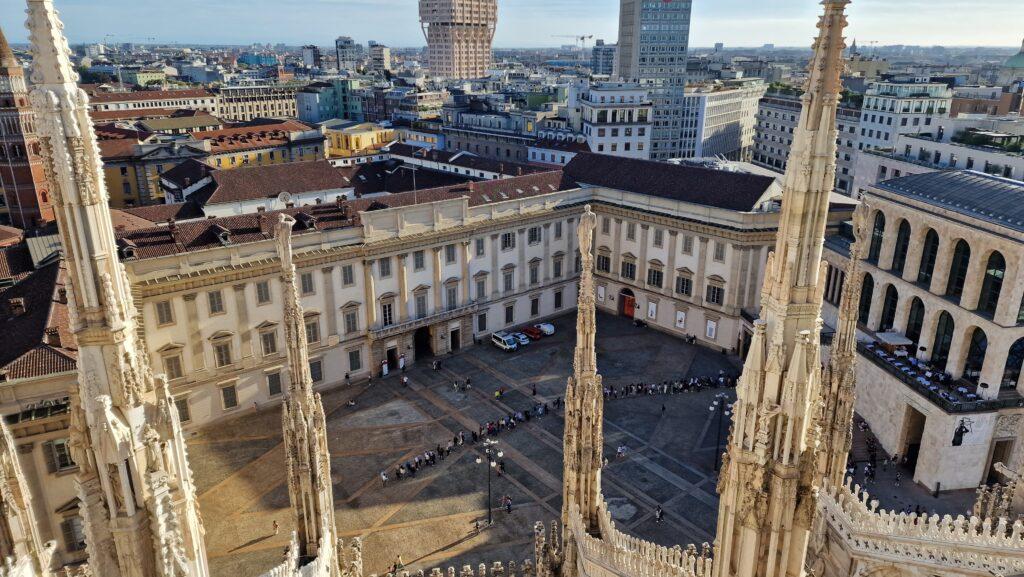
{"x": 37, "y": 339}
{"x": 251, "y": 137}
{"x": 136, "y": 114}
{"x": 111, "y": 131}
{"x": 271, "y": 180}
{"x": 704, "y": 186}
{"x": 10, "y": 235}
{"x": 142, "y": 95}
{"x": 124, "y": 220}
{"x": 203, "y": 234}
{"x": 119, "y": 149}
{"x": 15, "y": 262}
{"x": 160, "y": 213}
{"x": 566, "y": 145}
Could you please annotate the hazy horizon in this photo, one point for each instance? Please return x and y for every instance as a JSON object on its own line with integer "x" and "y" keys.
{"x": 524, "y": 23}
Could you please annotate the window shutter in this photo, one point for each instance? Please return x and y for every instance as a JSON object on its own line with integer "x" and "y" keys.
{"x": 51, "y": 459}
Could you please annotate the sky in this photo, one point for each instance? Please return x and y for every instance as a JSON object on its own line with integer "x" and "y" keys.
{"x": 522, "y": 23}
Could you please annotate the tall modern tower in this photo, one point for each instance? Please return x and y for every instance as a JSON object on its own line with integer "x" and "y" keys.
{"x": 24, "y": 196}
{"x": 653, "y": 41}
{"x": 768, "y": 487}
{"x": 459, "y": 35}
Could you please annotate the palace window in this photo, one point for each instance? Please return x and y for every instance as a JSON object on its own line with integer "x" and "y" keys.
{"x": 273, "y": 384}
{"x": 306, "y": 283}
{"x": 449, "y": 254}
{"x": 348, "y": 275}
{"x": 384, "y": 267}
{"x": 216, "y": 301}
{"x": 229, "y": 397}
{"x": 164, "y": 313}
{"x": 263, "y": 292}
{"x": 629, "y": 270}
{"x": 508, "y": 240}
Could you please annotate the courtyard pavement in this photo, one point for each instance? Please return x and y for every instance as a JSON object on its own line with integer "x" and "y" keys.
{"x": 239, "y": 466}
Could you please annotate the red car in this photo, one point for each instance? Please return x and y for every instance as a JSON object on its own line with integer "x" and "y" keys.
{"x": 532, "y": 332}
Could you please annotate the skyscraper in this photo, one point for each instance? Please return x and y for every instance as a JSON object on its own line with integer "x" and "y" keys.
{"x": 653, "y": 41}
{"x": 459, "y": 35}
{"x": 24, "y": 199}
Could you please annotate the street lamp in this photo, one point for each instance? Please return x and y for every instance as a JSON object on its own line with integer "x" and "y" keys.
{"x": 723, "y": 407}
{"x": 492, "y": 453}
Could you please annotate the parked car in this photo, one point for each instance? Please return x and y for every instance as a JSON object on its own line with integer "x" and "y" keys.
{"x": 522, "y": 338}
{"x": 533, "y": 332}
{"x": 505, "y": 341}
{"x": 547, "y": 328}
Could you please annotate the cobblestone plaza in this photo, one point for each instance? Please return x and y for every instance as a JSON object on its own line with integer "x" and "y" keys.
{"x": 240, "y": 472}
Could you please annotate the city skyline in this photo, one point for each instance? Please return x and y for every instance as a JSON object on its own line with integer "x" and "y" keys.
{"x": 525, "y": 23}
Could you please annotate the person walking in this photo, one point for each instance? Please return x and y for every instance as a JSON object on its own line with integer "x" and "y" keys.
{"x": 383, "y": 479}
{"x": 277, "y": 527}
{"x": 659, "y": 514}
{"x": 405, "y": 380}
{"x": 533, "y": 388}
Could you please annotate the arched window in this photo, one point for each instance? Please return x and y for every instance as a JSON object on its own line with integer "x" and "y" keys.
{"x": 992, "y": 285}
{"x": 899, "y": 258}
{"x": 975, "y": 355}
{"x": 866, "y": 294}
{"x": 929, "y": 253}
{"x": 1014, "y": 364}
{"x": 943, "y": 339}
{"x": 915, "y": 321}
{"x": 877, "y": 234}
{"x": 892, "y": 298}
{"x": 958, "y": 269}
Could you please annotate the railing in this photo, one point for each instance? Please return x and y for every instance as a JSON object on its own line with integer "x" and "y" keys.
{"x": 381, "y": 332}
{"x": 947, "y": 405}
{"x": 985, "y": 546}
{"x": 620, "y": 554}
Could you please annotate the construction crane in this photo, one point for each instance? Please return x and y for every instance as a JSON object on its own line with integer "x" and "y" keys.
{"x": 580, "y": 43}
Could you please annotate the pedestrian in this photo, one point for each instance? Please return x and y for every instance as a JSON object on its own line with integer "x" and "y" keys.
{"x": 663, "y": 409}
{"x": 659, "y": 514}
{"x": 405, "y": 380}
{"x": 277, "y": 527}
{"x": 348, "y": 380}
{"x": 383, "y": 479}
{"x": 534, "y": 389}
{"x": 508, "y": 504}
{"x": 899, "y": 477}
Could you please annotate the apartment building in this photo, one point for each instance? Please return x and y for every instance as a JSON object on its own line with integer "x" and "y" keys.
{"x": 719, "y": 119}
{"x": 617, "y": 119}
{"x": 905, "y": 106}
{"x": 778, "y": 114}
{"x": 192, "y": 99}
{"x": 246, "y": 103}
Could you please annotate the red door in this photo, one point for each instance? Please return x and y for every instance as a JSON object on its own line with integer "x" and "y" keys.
{"x": 628, "y": 306}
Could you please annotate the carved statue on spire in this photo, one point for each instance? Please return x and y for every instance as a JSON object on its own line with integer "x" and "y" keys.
{"x": 769, "y": 486}
{"x": 584, "y": 401}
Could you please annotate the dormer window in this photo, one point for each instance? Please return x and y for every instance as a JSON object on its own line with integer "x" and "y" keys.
{"x": 223, "y": 234}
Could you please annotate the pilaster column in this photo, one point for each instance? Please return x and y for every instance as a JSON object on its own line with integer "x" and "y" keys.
{"x": 616, "y": 248}
{"x": 403, "y": 288}
{"x": 940, "y": 275}
{"x": 877, "y": 303}
{"x": 1012, "y": 294}
{"x": 958, "y": 352}
{"x": 888, "y": 248}
{"x": 699, "y": 281}
{"x": 437, "y": 279}
{"x": 521, "y": 267}
{"x": 467, "y": 282}
{"x": 915, "y": 252}
{"x": 370, "y": 295}
{"x": 332, "y": 308}
{"x": 670, "y": 270}
{"x": 546, "y": 241}
{"x": 927, "y": 340}
{"x": 975, "y": 277}
{"x": 245, "y": 331}
{"x": 994, "y": 365}
{"x": 732, "y": 283}
{"x": 899, "y": 324}
{"x": 195, "y": 336}
{"x": 642, "y": 266}
{"x": 495, "y": 275}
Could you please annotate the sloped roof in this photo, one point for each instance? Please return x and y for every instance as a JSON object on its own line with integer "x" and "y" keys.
{"x": 696, "y": 185}
{"x": 978, "y": 195}
{"x": 24, "y": 352}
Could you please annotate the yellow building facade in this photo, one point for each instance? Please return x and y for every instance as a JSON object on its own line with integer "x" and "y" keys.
{"x": 358, "y": 140}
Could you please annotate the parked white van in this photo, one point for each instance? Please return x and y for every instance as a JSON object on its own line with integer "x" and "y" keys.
{"x": 504, "y": 341}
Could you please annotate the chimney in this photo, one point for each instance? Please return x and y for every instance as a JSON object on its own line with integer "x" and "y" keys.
{"x": 16, "y": 306}
{"x": 62, "y": 295}
{"x": 171, "y": 226}
{"x": 52, "y": 337}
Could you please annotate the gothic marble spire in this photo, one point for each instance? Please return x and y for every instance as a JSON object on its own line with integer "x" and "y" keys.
{"x": 584, "y": 398}
{"x": 134, "y": 482}
{"x": 7, "y": 58}
{"x": 769, "y": 484}
{"x": 305, "y": 429}
{"x": 838, "y": 389}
